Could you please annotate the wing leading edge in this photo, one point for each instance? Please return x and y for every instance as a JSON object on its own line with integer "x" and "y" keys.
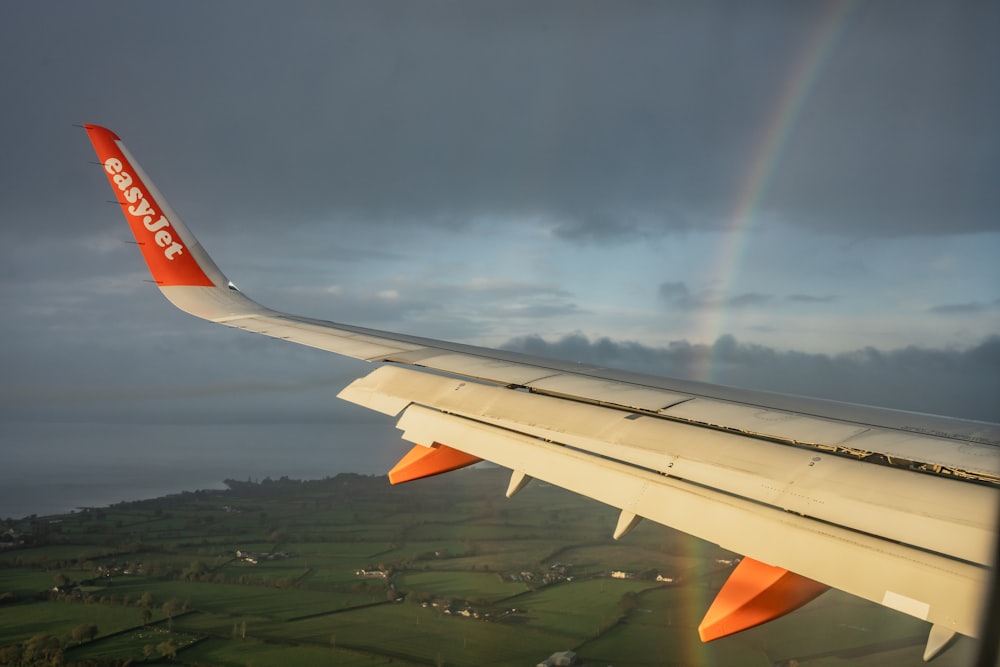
{"x": 894, "y": 507}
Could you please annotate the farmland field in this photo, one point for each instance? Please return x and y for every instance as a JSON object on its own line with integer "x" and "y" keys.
{"x": 350, "y": 571}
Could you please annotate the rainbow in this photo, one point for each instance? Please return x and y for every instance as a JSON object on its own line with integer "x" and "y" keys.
{"x": 820, "y": 45}
{"x": 769, "y": 148}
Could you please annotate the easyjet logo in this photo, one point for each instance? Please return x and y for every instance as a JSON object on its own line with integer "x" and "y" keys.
{"x": 140, "y": 209}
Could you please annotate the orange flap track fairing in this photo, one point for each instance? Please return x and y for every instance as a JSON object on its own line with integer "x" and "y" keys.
{"x": 422, "y": 462}
{"x": 756, "y": 593}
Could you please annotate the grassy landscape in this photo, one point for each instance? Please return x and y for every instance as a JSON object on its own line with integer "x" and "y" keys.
{"x": 350, "y": 571}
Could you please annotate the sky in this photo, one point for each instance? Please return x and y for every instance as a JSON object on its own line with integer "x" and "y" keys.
{"x": 797, "y": 197}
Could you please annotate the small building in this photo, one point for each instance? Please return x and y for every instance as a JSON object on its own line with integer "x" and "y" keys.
{"x": 621, "y": 574}
{"x": 560, "y": 659}
{"x": 372, "y": 574}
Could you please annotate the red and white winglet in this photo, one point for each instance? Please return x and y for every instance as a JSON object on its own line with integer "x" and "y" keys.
{"x": 180, "y": 267}
{"x": 165, "y": 243}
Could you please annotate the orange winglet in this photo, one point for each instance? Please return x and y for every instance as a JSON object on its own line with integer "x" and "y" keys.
{"x": 756, "y": 593}
{"x": 422, "y": 462}
{"x": 156, "y": 228}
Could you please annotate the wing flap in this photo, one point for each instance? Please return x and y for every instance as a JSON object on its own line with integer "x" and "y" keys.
{"x": 944, "y": 590}
{"x": 919, "y": 510}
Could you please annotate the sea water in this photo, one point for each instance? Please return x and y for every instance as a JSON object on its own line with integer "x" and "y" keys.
{"x": 49, "y": 468}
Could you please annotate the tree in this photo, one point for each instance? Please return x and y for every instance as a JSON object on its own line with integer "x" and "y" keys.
{"x": 170, "y": 608}
{"x": 195, "y": 570}
{"x": 10, "y": 655}
{"x": 84, "y": 632}
{"x": 167, "y": 649}
{"x": 42, "y": 648}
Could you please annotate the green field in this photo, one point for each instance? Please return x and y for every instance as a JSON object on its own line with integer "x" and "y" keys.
{"x": 467, "y": 578}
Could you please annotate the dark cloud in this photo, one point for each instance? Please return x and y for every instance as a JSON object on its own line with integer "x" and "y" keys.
{"x": 871, "y": 155}
{"x": 956, "y": 383}
{"x": 747, "y": 299}
{"x": 435, "y": 309}
{"x": 543, "y": 310}
{"x": 678, "y": 295}
{"x": 961, "y": 309}
{"x": 608, "y": 120}
{"x": 809, "y": 298}
{"x": 599, "y": 227}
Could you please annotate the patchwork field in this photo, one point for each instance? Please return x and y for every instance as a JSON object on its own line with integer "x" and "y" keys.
{"x": 350, "y": 571}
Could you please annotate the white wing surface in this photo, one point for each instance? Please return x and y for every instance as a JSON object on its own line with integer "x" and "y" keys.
{"x": 897, "y": 508}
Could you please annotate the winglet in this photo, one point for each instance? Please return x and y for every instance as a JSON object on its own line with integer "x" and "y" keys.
{"x": 184, "y": 272}
{"x": 170, "y": 250}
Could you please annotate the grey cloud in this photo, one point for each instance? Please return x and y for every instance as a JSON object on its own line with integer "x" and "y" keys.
{"x": 678, "y": 295}
{"x": 809, "y": 298}
{"x": 427, "y": 308}
{"x": 971, "y": 308}
{"x": 542, "y": 310}
{"x": 620, "y": 226}
{"x": 957, "y": 383}
{"x": 597, "y": 227}
{"x": 747, "y": 299}
{"x": 508, "y": 290}
{"x": 674, "y": 290}
{"x": 614, "y": 120}
{"x": 876, "y": 151}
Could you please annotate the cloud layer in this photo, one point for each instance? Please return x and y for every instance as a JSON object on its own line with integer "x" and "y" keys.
{"x": 956, "y": 383}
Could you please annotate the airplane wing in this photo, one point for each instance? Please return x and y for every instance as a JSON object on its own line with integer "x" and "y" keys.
{"x": 894, "y": 507}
